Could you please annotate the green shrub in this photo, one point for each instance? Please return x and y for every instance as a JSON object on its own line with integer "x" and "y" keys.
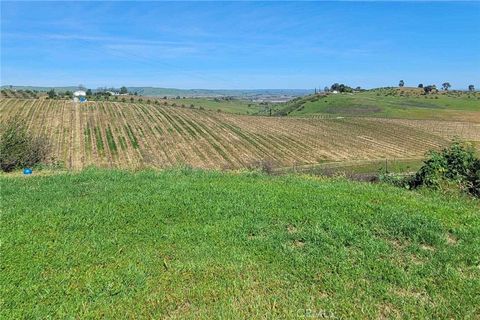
{"x": 455, "y": 165}
{"x": 20, "y": 149}
{"x": 473, "y": 180}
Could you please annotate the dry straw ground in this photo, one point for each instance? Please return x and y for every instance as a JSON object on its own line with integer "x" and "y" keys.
{"x": 109, "y": 134}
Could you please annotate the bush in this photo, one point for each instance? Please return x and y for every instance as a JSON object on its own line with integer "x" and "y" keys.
{"x": 265, "y": 166}
{"x": 474, "y": 179}
{"x": 20, "y": 149}
{"x": 456, "y": 164}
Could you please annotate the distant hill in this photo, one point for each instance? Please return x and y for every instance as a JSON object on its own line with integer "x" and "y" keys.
{"x": 172, "y": 92}
{"x": 69, "y": 88}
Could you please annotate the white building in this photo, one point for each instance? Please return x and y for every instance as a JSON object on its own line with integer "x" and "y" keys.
{"x": 79, "y": 96}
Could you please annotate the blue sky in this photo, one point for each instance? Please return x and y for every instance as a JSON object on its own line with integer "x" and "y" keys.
{"x": 240, "y": 45}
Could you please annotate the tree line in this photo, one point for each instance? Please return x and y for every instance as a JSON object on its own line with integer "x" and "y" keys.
{"x": 340, "y": 87}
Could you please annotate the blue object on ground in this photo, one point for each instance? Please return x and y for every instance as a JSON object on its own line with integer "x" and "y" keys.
{"x": 27, "y": 171}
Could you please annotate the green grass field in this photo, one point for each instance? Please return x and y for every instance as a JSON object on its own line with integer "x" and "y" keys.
{"x": 391, "y": 103}
{"x": 209, "y": 245}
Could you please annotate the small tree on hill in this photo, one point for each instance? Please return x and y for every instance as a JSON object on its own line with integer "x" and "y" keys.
{"x": 471, "y": 88}
{"x": 401, "y": 83}
{"x": 51, "y": 94}
{"x": 446, "y": 86}
{"x": 429, "y": 89}
{"x": 89, "y": 92}
{"x": 340, "y": 88}
{"x": 420, "y": 85}
{"x": 123, "y": 90}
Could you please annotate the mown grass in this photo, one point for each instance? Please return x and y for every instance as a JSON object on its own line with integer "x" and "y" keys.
{"x": 194, "y": 244}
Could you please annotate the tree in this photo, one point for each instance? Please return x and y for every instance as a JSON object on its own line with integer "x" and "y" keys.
{"x": 428, "y": 89}
{"x": 135, "y": 93}
{"x": 326, "y": 89}
{"x": 446, "y": 85}
{"x": 89, "y": 92}
{"x": 420, "y": 85}
{"x": 401, "y": 83}
{"x": 123, "y": 90}
{"x": 51, "y": 94}
{"x": 471, "y": 88}
{"x": 340, "y": 88}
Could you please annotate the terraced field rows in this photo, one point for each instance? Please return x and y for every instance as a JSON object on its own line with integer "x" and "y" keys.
{"x": 109, "y": 134}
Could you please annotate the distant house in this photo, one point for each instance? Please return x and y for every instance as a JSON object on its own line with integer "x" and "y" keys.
{"x": 335, "y": 91}
{"x": 79, "y": 96}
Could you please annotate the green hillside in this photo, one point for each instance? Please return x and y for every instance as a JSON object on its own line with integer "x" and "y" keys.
{"x": 389, "y": 102}
{"x": 209, "y": 245}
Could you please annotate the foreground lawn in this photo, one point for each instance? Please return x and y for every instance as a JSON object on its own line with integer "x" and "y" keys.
{"x": 188, "y": 244}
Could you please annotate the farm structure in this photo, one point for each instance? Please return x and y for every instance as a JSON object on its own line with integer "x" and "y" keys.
{"x": 128, "y": 135}
{"x": 79, "y": 96}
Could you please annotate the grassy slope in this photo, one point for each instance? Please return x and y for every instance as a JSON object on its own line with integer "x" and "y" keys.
{"x": 231, "y": 106}
{"x": 410, "y": 105}
{"x": 209, "y": 245}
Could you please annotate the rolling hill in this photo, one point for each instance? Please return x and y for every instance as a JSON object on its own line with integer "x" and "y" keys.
{"x": 126, "y": 135}
{"x": 408, "y": 103}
